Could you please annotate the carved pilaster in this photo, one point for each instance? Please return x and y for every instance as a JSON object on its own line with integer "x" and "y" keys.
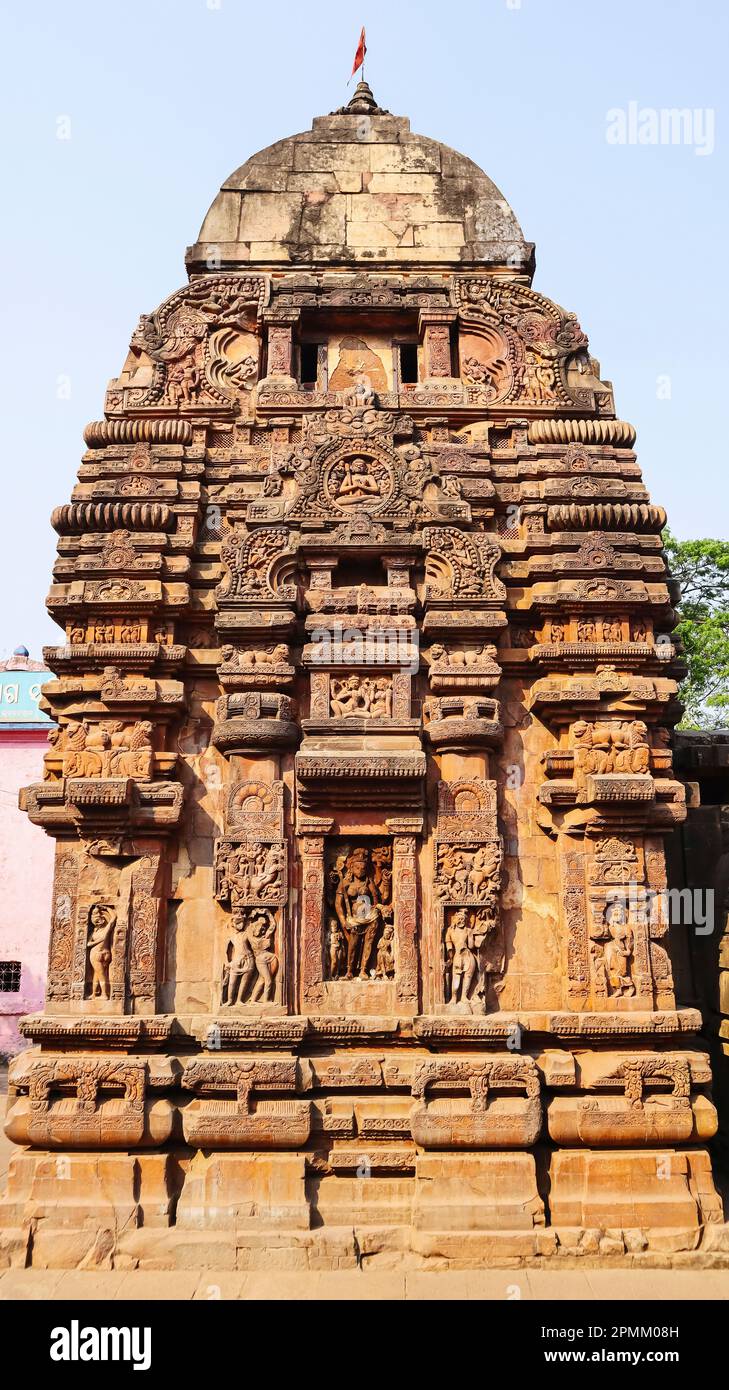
{"x": 405, "y": 897}
{"x": 311, "y": 848}
{"x": 436, "y": 333}
{"x": 280, "y": 351}
{"x": 147, "y": 920}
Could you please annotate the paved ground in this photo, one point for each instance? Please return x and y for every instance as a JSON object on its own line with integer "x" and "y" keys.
{"x": 496, "y": 1285}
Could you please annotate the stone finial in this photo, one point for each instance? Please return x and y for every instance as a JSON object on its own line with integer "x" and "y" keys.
{"x": 362, "y": 103}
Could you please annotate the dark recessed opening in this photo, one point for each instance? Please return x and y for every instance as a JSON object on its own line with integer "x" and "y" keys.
{"x": 408, "y": 364}
{"x": 350, "y": 573}
{"x": 309, "y": 363}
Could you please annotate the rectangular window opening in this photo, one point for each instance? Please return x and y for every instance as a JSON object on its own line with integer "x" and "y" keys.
{"x": 309, "y": 360}
{"x": 408, "y": 364}
{"x": 9, "y": 976}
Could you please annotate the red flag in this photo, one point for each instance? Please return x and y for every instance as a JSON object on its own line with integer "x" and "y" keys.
{"x": 359, "y": 55}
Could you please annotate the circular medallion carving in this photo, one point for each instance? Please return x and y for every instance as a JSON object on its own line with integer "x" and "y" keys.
{"x": 354, "y": 479}
{"x": 253, "y": 798}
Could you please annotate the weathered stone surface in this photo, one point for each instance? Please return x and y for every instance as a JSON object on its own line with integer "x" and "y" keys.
{"x": 354, "y": 188}
{"x": 359, "y": 949}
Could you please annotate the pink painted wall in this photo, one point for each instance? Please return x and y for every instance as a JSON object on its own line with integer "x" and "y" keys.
{"x": 26, "y": 880}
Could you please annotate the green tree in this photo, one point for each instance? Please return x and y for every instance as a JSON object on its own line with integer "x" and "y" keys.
{"x": 702, "y": 570}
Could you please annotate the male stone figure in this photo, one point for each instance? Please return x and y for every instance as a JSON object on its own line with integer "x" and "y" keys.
{"x": 250, "y": 954}
{"x": 461, "y": 961}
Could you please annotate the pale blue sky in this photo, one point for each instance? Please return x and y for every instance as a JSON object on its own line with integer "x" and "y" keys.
{"x": 166, "y": 97}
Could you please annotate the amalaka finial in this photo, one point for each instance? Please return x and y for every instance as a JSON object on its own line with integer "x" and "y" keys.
{"x": 362, "y": 103}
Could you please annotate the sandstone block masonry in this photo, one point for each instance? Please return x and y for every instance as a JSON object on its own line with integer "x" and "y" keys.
{"x": 361, "y": 773}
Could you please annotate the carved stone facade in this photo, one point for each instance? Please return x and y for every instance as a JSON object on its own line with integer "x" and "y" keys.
{"x": 362, "y": 768}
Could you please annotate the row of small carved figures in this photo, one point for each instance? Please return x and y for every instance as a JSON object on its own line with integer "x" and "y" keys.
{"x": 113, "y": 748}
{"x": 278, "y": 654}
{"x": 360, "y": 942}
{"x": 109, "y": 748}
{"x": 355, "y": 647}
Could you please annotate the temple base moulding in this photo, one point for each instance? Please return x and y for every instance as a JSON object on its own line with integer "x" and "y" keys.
{"x": 272, "y": 1211}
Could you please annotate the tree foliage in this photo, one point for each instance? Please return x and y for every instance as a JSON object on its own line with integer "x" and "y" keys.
{"x": 702, "y": 570}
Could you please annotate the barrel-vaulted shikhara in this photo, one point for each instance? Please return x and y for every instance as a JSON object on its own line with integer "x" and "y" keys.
{"x": 362, "y": 770}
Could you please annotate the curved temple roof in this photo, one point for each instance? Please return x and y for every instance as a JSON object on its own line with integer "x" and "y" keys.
{"x": 360, "y": 188}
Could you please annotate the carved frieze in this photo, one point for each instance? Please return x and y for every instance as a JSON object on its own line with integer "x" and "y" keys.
{"x": 490, "y": 1115}
{"x": 224, "y": 1113}
{"x": 88, "y": 1116}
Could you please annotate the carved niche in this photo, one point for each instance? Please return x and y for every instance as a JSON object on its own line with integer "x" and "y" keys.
{"x": 616, "y": 920}
{"x": 468, "y": 856}
{"x": 106, "y": 930}
{"x": 360, "y": 928}
{"x": 251, "y": 881}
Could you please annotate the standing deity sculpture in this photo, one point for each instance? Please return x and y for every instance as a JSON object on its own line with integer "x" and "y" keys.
{"x": 99, "y": 946}
{"x": 461, "y": 963}
{"x": 361, "y": 889}
{"x": 618, "y": 951}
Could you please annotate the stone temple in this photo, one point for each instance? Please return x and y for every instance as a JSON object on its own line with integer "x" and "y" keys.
{"x": 362, "y": 773}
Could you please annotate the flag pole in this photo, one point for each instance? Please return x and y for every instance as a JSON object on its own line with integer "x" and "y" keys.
{"x": 357, "y": 65}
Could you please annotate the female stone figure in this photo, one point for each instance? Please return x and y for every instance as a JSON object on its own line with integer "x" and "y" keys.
{"x": 618, "y": 951}
{"x": 102, "y": 921}
{"x": 359, "y": 909}
{"x": 336, "y": 950}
